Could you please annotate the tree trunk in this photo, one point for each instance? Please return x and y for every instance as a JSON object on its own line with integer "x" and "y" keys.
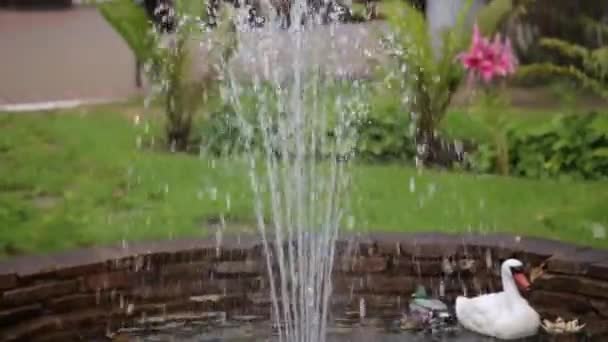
{"x": 502, "y": 153}
{"x": 138, "y": 67}
{"x": 370, "y": 10}
{"x": 178, "y": 137}
{"x": 425, "y": 136}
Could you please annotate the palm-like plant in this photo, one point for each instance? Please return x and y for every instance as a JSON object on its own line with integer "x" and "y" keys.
{"x": 180, "y": 95}
{"x": 130, "y": 21}
{"x": 176, "y": 86}
{"x": 183, "y": 91}
{"x": 429, "y": 76}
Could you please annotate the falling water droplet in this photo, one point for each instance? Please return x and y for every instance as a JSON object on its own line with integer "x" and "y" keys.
{"x": 350, "y": 222}
{"x": 598, "y": 230}
{"x": 412, "y": 128}
{"x": 488, "y": 259}
{"x": 213, "y": 193}
{"x": 412, "y": 185}
{"x": 218, "y": 242}
{"x": 362, "y": 312}
{"x": 311, "y": 296}
{"x": 432, "y": 188}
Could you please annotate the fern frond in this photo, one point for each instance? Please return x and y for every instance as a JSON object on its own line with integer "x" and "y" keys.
{"x": 571, "y": 72}
{"x": 594, "y": 27}
{"x": 565, "y": 48}
{"x": 597, "y": 63}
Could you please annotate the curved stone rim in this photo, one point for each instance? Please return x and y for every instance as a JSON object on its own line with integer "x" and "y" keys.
{"x": 448, "y": 244}
{"x": 95, "y": 290}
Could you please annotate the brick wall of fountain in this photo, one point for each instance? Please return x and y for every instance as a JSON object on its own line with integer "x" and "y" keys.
{"x": 99, "y": 290}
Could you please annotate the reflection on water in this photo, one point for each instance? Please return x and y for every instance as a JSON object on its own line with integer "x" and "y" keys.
{"x": 262, "y": 331}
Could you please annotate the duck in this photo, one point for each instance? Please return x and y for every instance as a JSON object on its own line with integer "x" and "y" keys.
{"x": 428, "y": 314}
{"x": 424, "y": 306}
{"x": 505, "y": 315}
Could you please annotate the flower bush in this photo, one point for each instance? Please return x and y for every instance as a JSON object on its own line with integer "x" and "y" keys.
{"x": 425, "y": 75}
{"x": 491, "y": 61}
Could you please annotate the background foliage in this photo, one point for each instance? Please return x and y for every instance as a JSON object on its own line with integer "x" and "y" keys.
{"x": 572, "y": 146}
{"x": 426, "y": 72}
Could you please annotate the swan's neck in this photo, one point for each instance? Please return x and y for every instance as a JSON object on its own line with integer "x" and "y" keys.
{"x": 509, "y": 286}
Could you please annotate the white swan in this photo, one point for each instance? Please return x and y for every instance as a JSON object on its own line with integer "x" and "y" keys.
{"x": 504, "y": 315}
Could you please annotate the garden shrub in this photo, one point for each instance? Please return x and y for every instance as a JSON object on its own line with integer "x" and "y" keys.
{"x": 571, "y": 146}
{"x": 221, "y": 134}
{"x": 385, "y": 135}
{"x": 386, "y": 138}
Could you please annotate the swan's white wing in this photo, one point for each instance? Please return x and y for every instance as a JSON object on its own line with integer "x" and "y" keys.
{"x": 478, "y": 313}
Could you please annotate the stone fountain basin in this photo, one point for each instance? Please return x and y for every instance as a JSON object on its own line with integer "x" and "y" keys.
{"x": 94, "y": 292}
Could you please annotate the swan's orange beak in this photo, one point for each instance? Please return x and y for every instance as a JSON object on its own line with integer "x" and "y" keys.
{"x": 521, "y": 281}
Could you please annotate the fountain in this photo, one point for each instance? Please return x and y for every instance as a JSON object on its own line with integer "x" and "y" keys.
{"x": 308, "y": 140}
{"x": 300, "y": 278}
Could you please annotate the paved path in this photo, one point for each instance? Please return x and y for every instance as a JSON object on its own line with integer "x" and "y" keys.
{"x": 62, "y": 55}
{"x": 73, "y": 54}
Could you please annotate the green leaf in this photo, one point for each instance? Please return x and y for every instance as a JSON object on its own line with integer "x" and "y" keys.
{"x": 490, "y": 17}
{"x": 600, "y": 152}
{"x": 131, "y": 22}
{"x": 600, "y": 125}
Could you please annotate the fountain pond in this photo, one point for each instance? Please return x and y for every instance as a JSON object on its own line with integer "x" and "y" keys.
{"x": 191, "y": 289}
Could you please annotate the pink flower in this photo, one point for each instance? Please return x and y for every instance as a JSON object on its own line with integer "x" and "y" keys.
{"x": 488, "y": 59}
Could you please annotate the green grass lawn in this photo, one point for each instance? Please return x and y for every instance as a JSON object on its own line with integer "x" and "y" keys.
{"x": 76, "y": 178}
